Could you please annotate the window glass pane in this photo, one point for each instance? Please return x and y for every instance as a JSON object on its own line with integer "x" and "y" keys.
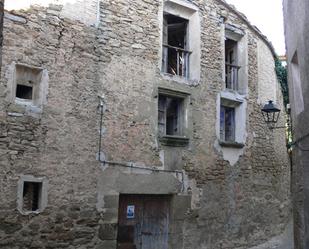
{"x": 172, "y": 109}
{"x": 161, "y": 115}
{"x": 229, "y": 124}
{"x": 222, "y": 123}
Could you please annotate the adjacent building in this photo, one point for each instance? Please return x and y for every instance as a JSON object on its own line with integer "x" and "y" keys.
{"x": 170, "y": 93}
{"x": 296, "y": 35}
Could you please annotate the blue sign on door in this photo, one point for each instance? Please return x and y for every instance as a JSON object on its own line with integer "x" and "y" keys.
{"x": 130, "y": 211}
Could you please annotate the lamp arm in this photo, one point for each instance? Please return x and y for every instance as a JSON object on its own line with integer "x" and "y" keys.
{"x": 279, "y": 127}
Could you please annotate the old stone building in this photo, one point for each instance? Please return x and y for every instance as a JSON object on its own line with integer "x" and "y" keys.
{"x": 186, "y": 159}
{"x": 296, "y": 32}
{"x": 1, "y": 26}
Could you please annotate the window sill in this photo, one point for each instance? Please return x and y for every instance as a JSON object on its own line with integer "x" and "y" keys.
{"x": 175, "y": 141}
{"x": 24, "y": 107}
{"x": 37, "y": 212}
{"x": 231, "y": 144}
{"x": 233, "y": 95}
{"x": 179, "y": 79}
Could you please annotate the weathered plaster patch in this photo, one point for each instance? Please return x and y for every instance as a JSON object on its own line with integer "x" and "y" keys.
{"x": 100, "y": 202}
{"x": 196, "y": 193}
{"x": 232, "y": 154}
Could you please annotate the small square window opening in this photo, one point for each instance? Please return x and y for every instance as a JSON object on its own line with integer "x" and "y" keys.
{"x": 27, "y": 86}
{"x": 24, "y": 92}
{"x": 32, "y": 192}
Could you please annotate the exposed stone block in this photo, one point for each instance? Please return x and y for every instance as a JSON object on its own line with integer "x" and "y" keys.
{"x": 111, "y": 201}
{"x": 108, "y": 231}
{"x": 106, "y": 244}
{"x": 111, "y": 215}
{"x": 181, "y": 205}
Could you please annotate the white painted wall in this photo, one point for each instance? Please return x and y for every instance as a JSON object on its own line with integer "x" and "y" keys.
{"x": 267, "y": 79}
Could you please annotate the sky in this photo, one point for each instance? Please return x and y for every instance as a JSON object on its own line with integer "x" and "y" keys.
{"x": 267, "y": 16}
{"x": 19, "y": 4}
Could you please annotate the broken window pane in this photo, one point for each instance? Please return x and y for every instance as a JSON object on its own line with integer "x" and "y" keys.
{"x": 172, "y": 122}
{"x": 175, "y": 53}
{"x": 231, "y": 65}
{"x": 170, "y": 115}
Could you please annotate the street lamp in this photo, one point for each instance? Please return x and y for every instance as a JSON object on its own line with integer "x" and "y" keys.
{"x": 270, "y": 114}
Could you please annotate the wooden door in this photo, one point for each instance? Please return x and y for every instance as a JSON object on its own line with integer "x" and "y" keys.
{"x": 147, "y": 227}
{"x": 155, "y": 223}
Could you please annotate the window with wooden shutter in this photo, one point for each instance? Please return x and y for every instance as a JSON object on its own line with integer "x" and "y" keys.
{"x": 170, "y": 115}
{"x": 161, "y": 115}
{"x": 165, "y": 49}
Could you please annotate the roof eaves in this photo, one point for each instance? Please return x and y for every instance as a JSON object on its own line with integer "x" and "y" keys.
{"x": 252, "y": 27}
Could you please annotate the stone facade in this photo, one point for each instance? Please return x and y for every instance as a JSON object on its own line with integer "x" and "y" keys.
{"x": 85, "y": 11}
{"x": 220, "y": 197}
{"x": 1, "y": 27}
{"x": 296, "y": 32}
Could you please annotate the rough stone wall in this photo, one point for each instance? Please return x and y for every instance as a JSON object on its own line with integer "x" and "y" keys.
{"x": 85, "y": 11}
{"x": 266, "y": 75}
{"x": 231, "y": 206}
{"x": 60, "y": 143}
{"x": 1, "y": 28}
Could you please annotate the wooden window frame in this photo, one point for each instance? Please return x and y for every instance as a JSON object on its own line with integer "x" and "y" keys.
{"x": 180, "y": 139}
{"x": 183, "y": 54}
{"x": 231, "y": 66}
{"x": 230, "y": 104}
